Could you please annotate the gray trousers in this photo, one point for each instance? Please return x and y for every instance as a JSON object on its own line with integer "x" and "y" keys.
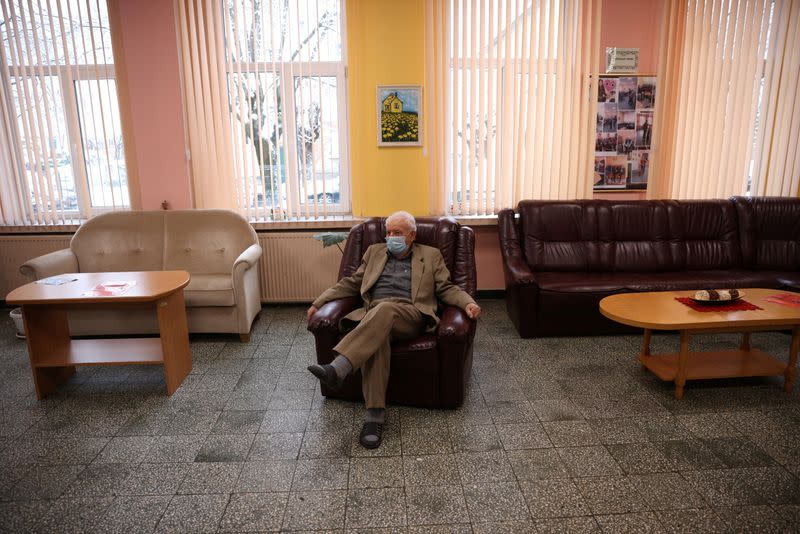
{"x": 368, "y": 345}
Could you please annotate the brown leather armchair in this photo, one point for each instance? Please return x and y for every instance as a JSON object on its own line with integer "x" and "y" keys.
{"x": 432, "y": 370}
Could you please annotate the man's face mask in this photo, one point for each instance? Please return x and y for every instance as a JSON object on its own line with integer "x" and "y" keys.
{"x": 396, "y": 244}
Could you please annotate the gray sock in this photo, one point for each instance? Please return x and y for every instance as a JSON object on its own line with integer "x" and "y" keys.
{"x": 375, "y": 415}
{"x": 342, "y": 366}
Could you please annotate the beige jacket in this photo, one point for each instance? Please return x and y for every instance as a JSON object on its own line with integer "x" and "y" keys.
{"x": 430, "y": 282}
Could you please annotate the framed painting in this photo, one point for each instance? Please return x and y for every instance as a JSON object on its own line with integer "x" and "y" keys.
{"x": 399, "y": 115}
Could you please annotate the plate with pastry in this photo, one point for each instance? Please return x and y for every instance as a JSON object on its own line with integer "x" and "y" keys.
{"x": 716, "y": 296}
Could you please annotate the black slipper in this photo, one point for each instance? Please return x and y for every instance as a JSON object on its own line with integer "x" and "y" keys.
{"x": 326, "y": 374}
{"x": 371, "y": 429}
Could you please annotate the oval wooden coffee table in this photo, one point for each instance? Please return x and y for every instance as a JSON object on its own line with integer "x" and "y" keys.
{"x": 660, "y": 311}
{"x": 54, "y": 354}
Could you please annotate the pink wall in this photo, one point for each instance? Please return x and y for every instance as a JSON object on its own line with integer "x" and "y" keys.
{"x": 153, "y": 72}
{"x": 632, "y": 24}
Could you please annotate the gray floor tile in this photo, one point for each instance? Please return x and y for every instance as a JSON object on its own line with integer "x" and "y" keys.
{"x": 317, "y": 444}
{"x": 495, "y": 502}
{"x": 23, "y": 516}
{"x": 617, "y": 431}
{"x": 225, "y": 448}
{"x": 556, "y": 410}
{"x": 641, "y": 522}
{"x": 193, "y": 513}
{"x": 217, "y": 477}
{"x": 436, "y": 505}
{"x": 691, "y": 521}
{"x": 238, "y": 422}
{"x": 284, "y": 421}
{"x": 381, "y": 472}
{"x": 276, "y": 446}
{"x": 100, "y": 480}
{"x": 571, "y": 525}
{"x": 611, "y": 495}
{"x": 724, "y": 487}
{"x": 482, "y": 467}
{"x": 475, "y": 438}
{"x": 154, "y": 479}
{"x": 556, "y": 497}
{"x": 430, "y": 470}
{"x": 134, "y": 514}
{"x": 588, "y": 461}
{"x": 174, "y": 449}
{"x": 536, "y": 464}
{"x": 636, "y": 458}
{"x": 248, "y": 512}
{"x": 571, "y": 433}
{"x": 321, "y": 474}
{"x": 76, "y": 514}
{"x": 376, "y": 507}
{"x": 266, "y": 476}
{"x": 667, "y": 491}
{"x": 315, "y": 510}
{"x": 762, "y": 519}
{"x": 517, "y": 436}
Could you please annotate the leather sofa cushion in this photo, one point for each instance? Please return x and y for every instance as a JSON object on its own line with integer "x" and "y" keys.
{"x": 705, "y": 234}
{"x": 560, "y": 236}
{"x": 666, "y": 281}
{"x": 209, "y": 290}
{"x": 770, "y": 232}
{"x": 634, "y": 237}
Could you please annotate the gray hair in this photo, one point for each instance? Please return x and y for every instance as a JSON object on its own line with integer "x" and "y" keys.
{"x": 411, "y": 222}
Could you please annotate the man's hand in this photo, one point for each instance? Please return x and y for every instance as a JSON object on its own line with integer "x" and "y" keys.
{"x": 473, "y": 310}
{"x": 310, "y": 312}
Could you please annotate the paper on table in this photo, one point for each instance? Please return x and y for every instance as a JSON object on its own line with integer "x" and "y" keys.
{"x": 785, "y": 299}
{"x": 109, "y": 289}
{"x": 56, "y": 280}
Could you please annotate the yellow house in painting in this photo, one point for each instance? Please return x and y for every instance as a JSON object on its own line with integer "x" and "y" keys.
{"x": 392, "y": 104}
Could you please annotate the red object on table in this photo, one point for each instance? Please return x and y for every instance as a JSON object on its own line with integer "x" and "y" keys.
{"x": 717, "y": 306}
{"x": 785, "y": 299}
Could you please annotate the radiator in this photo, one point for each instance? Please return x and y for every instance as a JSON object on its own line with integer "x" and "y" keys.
{"x": 294, "y": 268}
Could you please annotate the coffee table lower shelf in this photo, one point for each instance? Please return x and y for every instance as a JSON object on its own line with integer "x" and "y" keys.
{"x": 119, "y": 351}
{"x": 719, "y": 364}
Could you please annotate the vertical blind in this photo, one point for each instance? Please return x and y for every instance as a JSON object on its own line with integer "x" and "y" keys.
{"x": 510, "y": 112}
{"x": 728, "y": 79}
{"x": 265, "y": 99}
{"x": 61, "y": 150}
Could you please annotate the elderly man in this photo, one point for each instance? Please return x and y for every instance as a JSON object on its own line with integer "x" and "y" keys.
{"x": 400, "y": 283}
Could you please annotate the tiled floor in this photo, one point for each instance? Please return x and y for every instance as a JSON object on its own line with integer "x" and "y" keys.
{"x": 557, "y": 435}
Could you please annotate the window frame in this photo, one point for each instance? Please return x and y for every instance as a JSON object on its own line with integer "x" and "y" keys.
{"x": 288, "y": 70}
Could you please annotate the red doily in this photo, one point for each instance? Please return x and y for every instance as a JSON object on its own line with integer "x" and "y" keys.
{"x": 738, "y": 305}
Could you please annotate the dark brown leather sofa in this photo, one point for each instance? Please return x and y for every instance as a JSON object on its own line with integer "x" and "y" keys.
{"x": 561, "y": 258}
{"x": 431, "y": 370}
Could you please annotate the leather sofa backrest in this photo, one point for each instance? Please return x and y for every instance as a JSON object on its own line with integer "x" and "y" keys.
{"x": 205, "y": 241}
{"x": 560, "y": 236}
{"x": 455, "y": 242}
{"x": 634, "y": 236}
{"x": 120, "y": 241}
{"x": 705, "y": 234}
{"x": 769, "y": 231}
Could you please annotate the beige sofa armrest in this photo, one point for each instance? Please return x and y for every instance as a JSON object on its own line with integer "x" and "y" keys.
{"x": 58, "y": 262}
{"x": 249, "y": 258}
{"x": 246, "y": 289}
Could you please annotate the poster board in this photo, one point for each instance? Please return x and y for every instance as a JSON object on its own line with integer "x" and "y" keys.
{"x": 624, "y": 131}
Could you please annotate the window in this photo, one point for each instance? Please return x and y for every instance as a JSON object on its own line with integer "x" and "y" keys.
{"x": 509, "y": 95}
{"x": 286, "y": 91}
{"x": 63, "y": 154}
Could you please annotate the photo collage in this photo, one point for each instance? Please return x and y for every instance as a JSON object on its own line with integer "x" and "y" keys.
{"x": 625, "y": 106}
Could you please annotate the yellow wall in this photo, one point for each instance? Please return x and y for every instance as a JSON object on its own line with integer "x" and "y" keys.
{"x": 386, "y": 45}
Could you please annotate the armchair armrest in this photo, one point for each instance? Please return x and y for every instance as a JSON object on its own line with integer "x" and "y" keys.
{"x": 455, "y": 326}
{"x": 248, "y": 258}
{"x": 58, "y": 262}
{"x": 330, "y": 313}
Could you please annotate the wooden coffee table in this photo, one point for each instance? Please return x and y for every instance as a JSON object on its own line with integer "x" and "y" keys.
{"x": 660, "y": 311}
{"x": 54, "y": 354}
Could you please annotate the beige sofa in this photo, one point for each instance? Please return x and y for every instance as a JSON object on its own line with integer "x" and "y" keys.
{"x": 218, "y": 248}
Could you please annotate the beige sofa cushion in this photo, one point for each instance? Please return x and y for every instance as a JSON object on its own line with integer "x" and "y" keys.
{"x": 120, "y": 241}
{"x": 205, "y": 241}
{"x": 209, "y": 290}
